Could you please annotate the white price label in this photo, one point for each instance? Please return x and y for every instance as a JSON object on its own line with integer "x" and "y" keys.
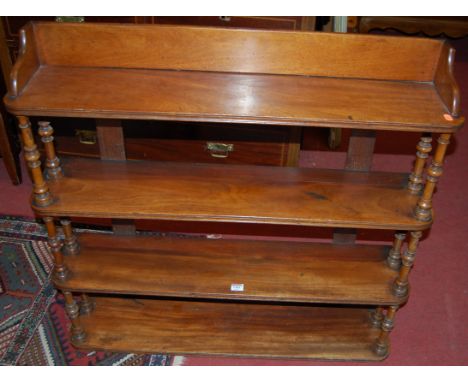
{"x": 237, "y": 287}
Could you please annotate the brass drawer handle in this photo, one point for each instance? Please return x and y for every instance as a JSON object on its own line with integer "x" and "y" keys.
{"x": 219, "y": 150}
{"x": 87, "y": 137}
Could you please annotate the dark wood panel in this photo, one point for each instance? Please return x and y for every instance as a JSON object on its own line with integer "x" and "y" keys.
{"x": 225, "y": 97}
{"x": 185, "y": 142}
{"x": 452, "y": 26}
{"x": 181, "y": 327}
{"x": 259, "y": 22}
{"x": 212, "y": 268}
{"x": 229, "y": 193}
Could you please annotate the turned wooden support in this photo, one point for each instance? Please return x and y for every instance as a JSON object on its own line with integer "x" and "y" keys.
{"x": 394, "y": 256}
{"x": 78, "y": 334}
{"x": 42, "y": 196}
{"x": 416, "y": 179}
{"x": 381, "y": 346}
{"x": 71, "y": 246}
{"x": 86, "y": 305}
{"x": 377, "y": 316}
{"x": 423, "y": 210}
{"x": 53, "y": 170}
{"x": 400, "y": 286}
{"x": 60, "y": 270}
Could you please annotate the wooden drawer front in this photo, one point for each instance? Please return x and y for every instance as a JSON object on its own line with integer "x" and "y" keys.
{"x": 182, "y": 142}
{"x": 202, "y": 151}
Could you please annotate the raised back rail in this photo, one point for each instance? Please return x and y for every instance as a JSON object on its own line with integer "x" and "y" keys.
{"x": 238, "y": 51}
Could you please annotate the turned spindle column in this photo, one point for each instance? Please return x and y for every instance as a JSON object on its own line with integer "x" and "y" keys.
{"x": 86, "y": 305}
{"x": 60, "y": 270}
{"x": 53, "y": 170}
{"x": 42, "y": 196}
{"x": 71, "y": 246}
{"x": 423, "y": 210}
{"x": 400, "y": 286}
{"x": 78, "y": 334}
{"x": 381, "y": 346}
{"x": 394, "y": 256}
{"x": 377, "y": 316}
{"x": 416, "y": 179}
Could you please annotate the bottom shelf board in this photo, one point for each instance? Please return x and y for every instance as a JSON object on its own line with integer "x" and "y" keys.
{"x": 229, "y": 328}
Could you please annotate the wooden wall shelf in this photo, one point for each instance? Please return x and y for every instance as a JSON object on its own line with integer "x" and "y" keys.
{"x": 260, "y": 297}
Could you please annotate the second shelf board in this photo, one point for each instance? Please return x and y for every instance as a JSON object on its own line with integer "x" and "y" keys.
{"x": 232, "y": 269}
{"x": 233, "y": 194}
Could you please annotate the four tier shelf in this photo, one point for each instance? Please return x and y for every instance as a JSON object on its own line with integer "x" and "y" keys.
{"x": 332, "y": 299}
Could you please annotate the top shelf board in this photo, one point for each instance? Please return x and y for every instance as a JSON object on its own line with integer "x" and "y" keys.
{"x": 221, "y": 75}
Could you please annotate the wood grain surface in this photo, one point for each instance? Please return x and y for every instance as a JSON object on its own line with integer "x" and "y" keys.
{"x": 231, "y": 97}
{"x": 207, "y": 268}
{"x": 233, "y": 193}
{"x": 182, "y": 327}
{"x": 237, "y": 50}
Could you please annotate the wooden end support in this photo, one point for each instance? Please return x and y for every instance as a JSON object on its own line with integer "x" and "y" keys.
{"x": 42, "y": 197}
{"x": 377, "y": 317}
{"x": 423, "y": 211}
{"x": 86, "y": 305}
{"x": 77, "y": 333}
{"x": 382, "y": 344}
{"x": 416, "y": 180}
{"x": 400, "y": 286}
{"x": 394, "y": 256}
{"x": 60, "y": 270}
{"x": 53, "y": 170}
{"x": 71, "y": 245}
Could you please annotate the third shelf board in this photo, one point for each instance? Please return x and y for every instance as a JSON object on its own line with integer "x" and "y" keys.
{"x": 232, "y": 269}
{"x": 233, "y": 194}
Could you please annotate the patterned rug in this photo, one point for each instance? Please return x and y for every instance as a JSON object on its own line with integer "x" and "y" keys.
{"x": 33, "y": 323}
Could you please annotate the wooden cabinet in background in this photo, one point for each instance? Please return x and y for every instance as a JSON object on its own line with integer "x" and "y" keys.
{"x": 186, "y": 142}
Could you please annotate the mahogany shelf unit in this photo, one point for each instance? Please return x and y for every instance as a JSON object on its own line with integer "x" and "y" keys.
{"x": 273, "y": 298}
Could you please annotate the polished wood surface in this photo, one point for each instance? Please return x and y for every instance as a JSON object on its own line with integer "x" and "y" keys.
{"x": 27, "y": 63}
{"x": 444, "y": 80}
{"x": 236, "y": 50}
{"x": 231, "y": 97}
{"x": 230, "y": 75}
{"x": 191, "y": 327}
{"x": 229, "y": 193}
{"x": 207, "y": 268}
